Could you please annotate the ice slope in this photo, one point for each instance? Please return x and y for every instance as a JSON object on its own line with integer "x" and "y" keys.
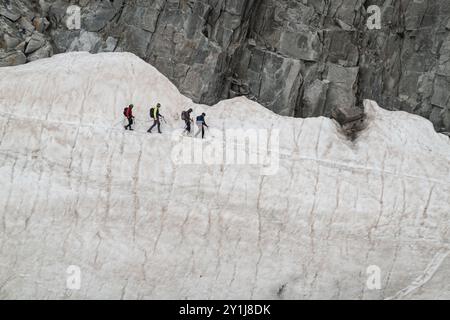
{"x": 78, "y": 190}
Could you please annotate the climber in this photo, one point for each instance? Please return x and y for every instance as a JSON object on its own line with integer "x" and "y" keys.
{"x": 201, "y": 124}
{"x": 156, "y": 116}
{"x": 186, "y": 117}
{"x": 128, "y": 113}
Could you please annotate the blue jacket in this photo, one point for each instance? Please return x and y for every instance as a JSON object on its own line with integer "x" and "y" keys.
{"x": 202, "y": 120}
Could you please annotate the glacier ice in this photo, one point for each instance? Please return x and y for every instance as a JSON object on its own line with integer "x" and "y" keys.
{"x": 77, "y": 190}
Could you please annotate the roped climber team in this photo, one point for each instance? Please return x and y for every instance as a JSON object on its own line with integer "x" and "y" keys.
{"x": 156, "y": 116}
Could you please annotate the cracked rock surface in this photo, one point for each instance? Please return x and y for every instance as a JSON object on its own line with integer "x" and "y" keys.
{"x": 297, "y": 58}
{"x": 78, "y": 190}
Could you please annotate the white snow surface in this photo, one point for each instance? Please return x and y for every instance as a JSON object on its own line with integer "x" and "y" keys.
{"x": 79, "y": 190}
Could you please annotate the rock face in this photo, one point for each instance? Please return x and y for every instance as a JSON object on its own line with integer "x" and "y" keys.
{"x": 297, "y": 58}
{"x": 406, "y": 65}
{"x": 22, "y": 29}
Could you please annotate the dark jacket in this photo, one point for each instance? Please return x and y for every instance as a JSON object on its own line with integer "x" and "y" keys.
{"x": 186, "y": 115}
{"x": 201, "y": 119}
{"x": 129, "y": 112}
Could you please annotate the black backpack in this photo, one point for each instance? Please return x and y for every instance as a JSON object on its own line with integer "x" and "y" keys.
{"x": 184, "y": 116}
{"x": 152, "y": 111}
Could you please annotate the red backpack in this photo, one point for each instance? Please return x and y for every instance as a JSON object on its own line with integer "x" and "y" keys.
{"x": 126, "y": 112}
